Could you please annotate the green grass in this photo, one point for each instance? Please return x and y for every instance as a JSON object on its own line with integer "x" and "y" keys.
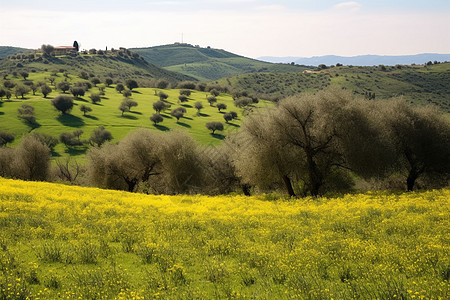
{"x": 107, "y": 114}
{"x": 207, "y": 64}
{"x": 417, "y": 84}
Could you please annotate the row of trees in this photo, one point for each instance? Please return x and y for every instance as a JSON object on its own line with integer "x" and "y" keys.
{"x": 314, "y": 143}
{"x": 306, "y": 145}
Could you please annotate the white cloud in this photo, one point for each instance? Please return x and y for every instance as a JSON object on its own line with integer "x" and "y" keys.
{"x": 274, "y": 7}
{"x": 348, "y": 6}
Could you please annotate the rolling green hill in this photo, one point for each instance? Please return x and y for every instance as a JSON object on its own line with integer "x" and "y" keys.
{"x": 121, "y": 64}
{"x": 419, "y": 84}
{"x": 8, "y": 50}
{"x": 107, "y": 114}
{"x": 206, "y": 63}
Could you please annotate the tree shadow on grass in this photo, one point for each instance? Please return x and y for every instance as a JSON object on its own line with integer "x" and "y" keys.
{"x": 166, "y": 116}
{"x": 70, "y": 120}
{"x": 184, "y": 124}
{"x": 80, "y": 99}
{"x": 1, "y": 113}
{"x": 130, "y": 117}
{"x": 135, "y": 112}
{"x": 186, "y": 105}
{"x": 188, "y": 118}
{"x": 76, "y": 151}
{"x": 33, "y": 125}
{"x": 91, "y": 117}
{"x": 235, "y": 125}
{"x": 161, "y": 127}
{"x": 203, "y": 115}
{"x": 218, "y": 136}
{"x": 136, "y": 92}
{"x": 55, "y": 154}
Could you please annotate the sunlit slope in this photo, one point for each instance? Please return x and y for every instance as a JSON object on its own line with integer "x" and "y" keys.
{"x": 107, "y": 114}
{"x": 60, "y": 241}
{"x": 207, "y": 63}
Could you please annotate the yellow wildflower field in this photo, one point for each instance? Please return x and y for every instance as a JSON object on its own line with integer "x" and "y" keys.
{"x": 66, "y": 242}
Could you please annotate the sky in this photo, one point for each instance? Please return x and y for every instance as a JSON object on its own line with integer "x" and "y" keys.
{"x": 252, "y": 28}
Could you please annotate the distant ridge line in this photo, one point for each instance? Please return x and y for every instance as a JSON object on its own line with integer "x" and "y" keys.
{"x": 361, "y": 60}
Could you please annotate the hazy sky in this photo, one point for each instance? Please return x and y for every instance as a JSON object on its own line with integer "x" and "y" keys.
{"x": 251, "y": 28}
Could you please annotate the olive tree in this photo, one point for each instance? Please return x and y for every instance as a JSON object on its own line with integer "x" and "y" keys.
{"x": 63, "y": 103}
{"x": 127, "y": 164}
{"x": 85, "y": 109}
{"x": 214, "y": 126}
{"x": 129, "y": 103}
{"x": 123, "y": 108}
{"x": 77, "y": 91}
{"x": 221, "y": 106}
{"x": 99, "y": 136}
{"x": 63, "y": 86}
{"x": 185, "y": 92}
{"x": 120, "y": 87}
{"x": 212, "y": 100}
{"x": 183, "y": 98}
{"x": 2, "y": 93}
{"x": 198, "y": 106}
{"x": 108, "y": 82}
{"x": 160, "y": 106}
{"x": 156, "y": 118}
{"x": 228, "y": 117}
{"x": 131, "y": 84}
{"x": 163, "y": 96}
{"x": 21, "y": 90}
{"x": 178, "y": 113}
{"x": 420, "y": 138}
{"x": 26, "y": 112}
{"x": 148, "y": 160}
{"x": 45, "y": 90}
{"x": 47, "y": 49}
{"x": 5, "y": 138}
{"x": 315, "y": 140}
{"x": 31, "y": 160}
{"x": 46, "y": 139}
{"x": 95, "y": 98}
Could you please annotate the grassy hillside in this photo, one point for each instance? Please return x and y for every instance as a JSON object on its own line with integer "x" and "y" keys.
{"x": 121, "y": 64}
{"x": 107, "y": 114}
{"x": 61, "y": 241}
{"x": 206, "y": 63}
{"x": 419, "y": 84}
{"x": 8, "y": 50}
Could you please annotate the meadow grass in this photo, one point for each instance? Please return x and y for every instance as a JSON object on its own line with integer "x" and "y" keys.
{"x": 66, "y": 242}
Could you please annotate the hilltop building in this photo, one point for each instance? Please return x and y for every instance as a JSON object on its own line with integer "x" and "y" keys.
{"x": 63, "y": 50}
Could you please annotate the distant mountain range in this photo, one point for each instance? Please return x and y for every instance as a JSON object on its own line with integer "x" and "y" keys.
{"x": 361, "y": 60}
